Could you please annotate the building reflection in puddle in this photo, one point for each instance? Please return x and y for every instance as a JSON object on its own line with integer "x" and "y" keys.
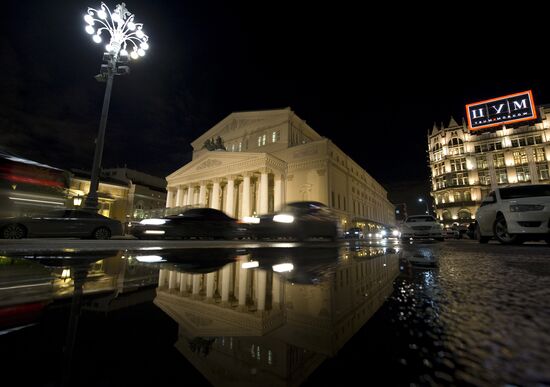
{"x": 273, "y": 316}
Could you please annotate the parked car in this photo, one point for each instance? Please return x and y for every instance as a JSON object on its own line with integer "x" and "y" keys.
{"x": 421, "y": 226}
{"x": 471, "y": 232}
{"x": 298, "y": 220}
{"x": 61, "y": 223}
{"x": 515, "y": 214}
{"x": 354, "y": 233}
{"x": 193, "y": 223}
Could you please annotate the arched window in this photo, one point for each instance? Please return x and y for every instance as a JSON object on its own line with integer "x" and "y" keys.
{"x": 456, "y": 146}
{"x": 464, "y": 214}
{"x": 437, "y": 152}
{"x": 446, "y": 215}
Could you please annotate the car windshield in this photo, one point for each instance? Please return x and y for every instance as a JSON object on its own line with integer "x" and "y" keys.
{"x": 525, "y": 191}
{"x": 426, "y": 218}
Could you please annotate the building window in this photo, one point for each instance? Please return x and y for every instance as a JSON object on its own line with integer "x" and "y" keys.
{"x": 338, "y": 201}
{"x": 439, "y": 182}
{"x": 460, "y": 178}
{"x": 437, "y": 152}
{"x": 481, "y": 162}
{"x": 275, "y": 136}
{"x": 467, "y": 196}
{"x": 439, "y": 169}
{"x": 519, "y": 142}
{"x": 457, "y": 196}
{"x": 542, "y": 171}
{"x": 262, "y": 139}
{"x": 489, "y": 146}
{"x": 520, "y": 157}
{"x": 498, "y": 160}
{"x": 539, "y": 155}
{"x": 484, "y": 177}
{"x": 333, "y": 201}
{"x": 458, "y": 165}
{"x": 456, "y": 146}
{"x": 502, "y": 176}
{"x": 523, "y": 174}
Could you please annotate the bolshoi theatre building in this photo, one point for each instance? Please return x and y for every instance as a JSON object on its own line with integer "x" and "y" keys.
{"x": 252, "y": 163}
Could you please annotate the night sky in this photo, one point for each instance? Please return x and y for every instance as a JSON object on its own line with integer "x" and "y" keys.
{"x": 373, "y": 82}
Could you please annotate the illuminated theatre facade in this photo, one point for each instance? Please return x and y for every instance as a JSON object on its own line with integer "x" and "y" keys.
{"x": 466, "y": 164}
{"x": 271, "y": 158}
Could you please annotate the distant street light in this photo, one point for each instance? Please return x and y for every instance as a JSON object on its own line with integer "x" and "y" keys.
{"x": 421, "y": 200}
{"x": 124, "y": 34}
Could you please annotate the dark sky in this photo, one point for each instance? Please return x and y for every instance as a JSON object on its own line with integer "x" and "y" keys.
{"x": 374, "y": 81}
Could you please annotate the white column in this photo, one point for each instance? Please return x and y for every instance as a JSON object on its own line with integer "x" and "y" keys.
{"x": 179, "y": 196}
{"x": 190, "y": 191}
{"x": 202, "y": 195}
{"x": 278, "y": 192}
{"x": 172, "y": 281}
{"x": 262, "y": 275}
{"x": 230, "y": 200}
{"x": 216, "y": 194}
{"x": 264, "y": 185}
{"x": 183, "y": 282}
{"x": 162, "y": 277}
{"x": 243, "y": 281}
{"x": 170, "y": 198}
{"x": 277, "y": 288}
{"x": 210, "y": 285}
{"x": 196, "y": 284}
{"x": 226, "y": 272}
{"x": 246, "y": 194}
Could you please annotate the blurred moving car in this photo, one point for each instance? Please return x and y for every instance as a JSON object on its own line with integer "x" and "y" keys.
{"x": 451, "y": 232}
{"x": 61, "y": 223}
{"x": 421, "y": 226}
{"x": 515, "y": 214}
{"x": 193, "y": 223}
{"x": 354, "y": 233}
{"x": 298, "y": 220}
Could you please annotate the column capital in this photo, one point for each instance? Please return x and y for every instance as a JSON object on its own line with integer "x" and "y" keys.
{"x": 263, "y": 170}
{"x": 203, "y": 183}
{"x": 232, "y": 177}
{"x": 217, "y": 180}
{"x": 247, "y": 174}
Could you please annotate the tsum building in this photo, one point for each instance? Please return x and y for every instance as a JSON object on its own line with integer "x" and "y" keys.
{"x": 466, "y": 165}
{"x": 252, "y": 163}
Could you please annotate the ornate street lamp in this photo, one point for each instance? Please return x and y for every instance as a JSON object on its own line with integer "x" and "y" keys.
{"x": 124, "y": 35}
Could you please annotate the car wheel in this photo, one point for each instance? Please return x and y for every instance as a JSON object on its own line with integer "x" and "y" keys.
{"x": 101, "y": 233}
{"x": 14, "y": 231}
{"x": 480, "y": 238}
{"x": 500, "y": 229}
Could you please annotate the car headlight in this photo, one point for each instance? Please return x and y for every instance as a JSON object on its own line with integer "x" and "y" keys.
{"x": 153, "y": 222}
{"x": 283, "y": 218}
{"x": 395, "y": 233}
{"x": 251, "y": 219}
{"x": 526, "y": 207}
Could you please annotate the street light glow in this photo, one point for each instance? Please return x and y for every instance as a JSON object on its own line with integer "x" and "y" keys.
{"x": 123, "y": 32}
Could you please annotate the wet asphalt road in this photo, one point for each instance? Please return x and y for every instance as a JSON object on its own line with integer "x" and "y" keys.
{"x": 481, "y": 317}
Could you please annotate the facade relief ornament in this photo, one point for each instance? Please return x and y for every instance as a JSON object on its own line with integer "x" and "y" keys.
{"x": 209, "y": 164}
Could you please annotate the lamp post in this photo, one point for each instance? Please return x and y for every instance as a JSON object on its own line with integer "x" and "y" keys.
{"x": 123, "y": 34}
{"x": 421, "y": 200}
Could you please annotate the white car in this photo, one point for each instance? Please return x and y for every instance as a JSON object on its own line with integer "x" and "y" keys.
{"x": 515, "y": 214}
{"x": 421, "y": 226}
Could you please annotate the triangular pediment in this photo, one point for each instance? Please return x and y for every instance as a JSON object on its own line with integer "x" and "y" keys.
{"x": 239, "y": 123}
{"x": 213, "y": 160}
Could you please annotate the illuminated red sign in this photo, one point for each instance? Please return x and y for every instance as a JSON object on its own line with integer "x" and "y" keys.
{"x": 502, "y": 110}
